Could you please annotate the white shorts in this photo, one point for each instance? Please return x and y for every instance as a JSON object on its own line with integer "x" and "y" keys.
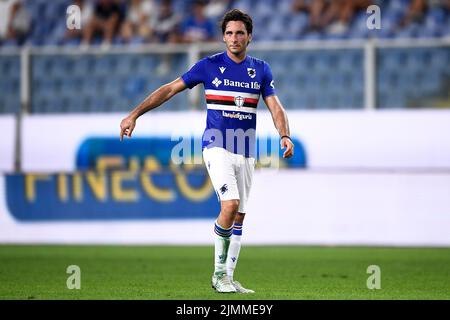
{"x": 231, "y": 174}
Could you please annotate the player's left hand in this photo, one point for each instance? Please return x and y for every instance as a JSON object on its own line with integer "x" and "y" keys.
{"x": 287, "y": 144}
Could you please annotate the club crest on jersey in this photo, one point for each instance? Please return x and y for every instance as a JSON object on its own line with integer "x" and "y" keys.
{"x": 251, "y": 72}
{"x": 239, "y": 101}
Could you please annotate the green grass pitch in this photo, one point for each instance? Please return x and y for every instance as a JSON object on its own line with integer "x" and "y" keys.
{"x": 175, "y": 272}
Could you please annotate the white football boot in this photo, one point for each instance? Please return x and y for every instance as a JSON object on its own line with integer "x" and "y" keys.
{"x": 240, "y": 288}
{"x": 221, "y": 283}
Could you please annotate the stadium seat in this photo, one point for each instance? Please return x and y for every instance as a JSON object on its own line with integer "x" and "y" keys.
{"x": 410, "y": 31}
{"x": 262, "y": 8}
{"x": 89, "y": 87}
{"x": 83, "y": 65}
{"x": 283, "y": 7}
{"x": 244, "y": 5}
{"x": 11, "y": 68}
{"x": 104, "y": 65}
{"x": 348, "y": 60}
{"x": 297, "y": 24}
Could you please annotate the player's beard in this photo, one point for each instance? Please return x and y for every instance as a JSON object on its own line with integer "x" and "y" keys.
{"x": 238, "y": 51}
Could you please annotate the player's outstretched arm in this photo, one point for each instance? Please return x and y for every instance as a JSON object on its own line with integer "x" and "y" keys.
{"x": 154, "y": 100}
{"x": 281, "y": 122}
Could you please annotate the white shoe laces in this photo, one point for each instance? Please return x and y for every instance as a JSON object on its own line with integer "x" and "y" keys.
{"x": 225, "y": 281}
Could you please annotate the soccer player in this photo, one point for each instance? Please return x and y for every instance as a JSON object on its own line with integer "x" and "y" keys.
{"x": 233, "y": 83}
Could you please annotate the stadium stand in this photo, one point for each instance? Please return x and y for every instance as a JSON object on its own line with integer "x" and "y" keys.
{"x": 86, "y": 82}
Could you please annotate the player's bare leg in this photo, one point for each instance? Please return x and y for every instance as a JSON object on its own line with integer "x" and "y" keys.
{"x": 223, "y": 229}
{"x": 233, "y": 252}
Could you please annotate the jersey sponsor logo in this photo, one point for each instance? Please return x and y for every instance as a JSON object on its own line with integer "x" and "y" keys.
{"x": 222, "y": 69}
{"x": 239, "y": 101}
{"x": 251, "y": 72}
{"x": 241, "y": 84}
{"x": 236, "y": 115}
{"x": 217, "y": 82}
{"x": 272, "y": 85}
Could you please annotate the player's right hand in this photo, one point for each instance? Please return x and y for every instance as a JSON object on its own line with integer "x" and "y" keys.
{"x": 287, "y": 144}
{"x": 126, "y": 127}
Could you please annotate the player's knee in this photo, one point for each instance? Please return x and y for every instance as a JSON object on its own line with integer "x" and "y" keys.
{"x": 230, "y": 207}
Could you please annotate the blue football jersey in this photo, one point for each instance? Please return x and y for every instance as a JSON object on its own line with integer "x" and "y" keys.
{"x": 232, "y": 92}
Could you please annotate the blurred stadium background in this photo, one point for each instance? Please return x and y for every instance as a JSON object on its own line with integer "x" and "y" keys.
{"x": 369, "y": 111}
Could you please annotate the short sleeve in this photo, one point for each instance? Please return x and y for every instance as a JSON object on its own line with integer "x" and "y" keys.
{"x": 268, "y": 86}
{"x": 195, "y": 75}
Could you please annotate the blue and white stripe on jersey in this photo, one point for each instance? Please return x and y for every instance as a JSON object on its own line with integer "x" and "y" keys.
{"x": 232, "y": 91}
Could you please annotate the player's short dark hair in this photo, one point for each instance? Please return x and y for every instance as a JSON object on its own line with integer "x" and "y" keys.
{"x": 237, "y": 15}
